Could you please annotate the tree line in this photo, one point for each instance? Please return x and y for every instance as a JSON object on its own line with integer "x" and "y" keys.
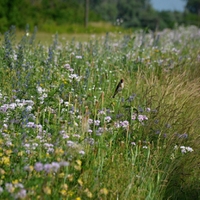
{"x": 126, "y": 13}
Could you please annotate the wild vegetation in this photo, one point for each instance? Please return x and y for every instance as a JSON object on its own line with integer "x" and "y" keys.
{"x": 63, "y": 136}
{"x": 67, "y": 16}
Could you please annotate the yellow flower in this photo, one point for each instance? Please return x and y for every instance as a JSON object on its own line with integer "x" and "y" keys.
{"x": 78, "y": 198}
{"x": 5, "y": 160}
{"x": 15, "y": 181}
{"x": 77, "y": 167}
{"x": 63, "y": 192}
{"x": 8, "y": 152}
{"x": 70, "y": 193}
{"x": 47, "y": 190}
{"x": 88, "y": 193}
{"x": 70, "y": 177}
{"x": 61, "y": 175}
{"x": 47, "y": 155}
{"x": 79, "y": 162}
{"x": 80, "y": 182}
{"x": 2, "y": 171}
{"x": 1, "y": 141}
{"x": 20, "y": 153}
{"x": 31, "y": 168}
{"x": 59, "y": 151}
{"x": 65, "y": 186}
{"x": 104, "y": 191}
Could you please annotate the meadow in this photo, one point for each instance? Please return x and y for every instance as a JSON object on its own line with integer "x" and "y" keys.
{"x": 63, "y": 136}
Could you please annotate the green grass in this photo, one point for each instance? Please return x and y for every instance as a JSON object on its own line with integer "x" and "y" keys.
{"x": 62, "y": 134}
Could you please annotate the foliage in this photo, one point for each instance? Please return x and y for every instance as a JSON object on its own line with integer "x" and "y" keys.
{"x": 62, "y": 136}
{"x": 62, "y": 15}
{"x": 193, "y": 6}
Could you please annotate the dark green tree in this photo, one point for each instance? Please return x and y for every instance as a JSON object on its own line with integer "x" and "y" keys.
{"x": 137, "y": 13}
{"x": 193, "y": 6}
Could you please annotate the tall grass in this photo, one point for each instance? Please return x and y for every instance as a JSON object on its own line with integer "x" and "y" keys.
{"x": 63, "y": 136}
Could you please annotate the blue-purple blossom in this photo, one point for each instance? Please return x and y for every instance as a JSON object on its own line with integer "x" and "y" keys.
{"x": 21, "y": 194}
{"x": 124, "y": 124}
{"x": 107, "y": 119}
{"x": 38, "y": 167}
{"x": 97, "y": 122}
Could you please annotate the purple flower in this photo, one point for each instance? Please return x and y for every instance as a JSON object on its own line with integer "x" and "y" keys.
{"x": 47, "y": 167}
{"x": 38, "y": 167}
{"x": 55, "y": 166}
{"x": 107, "y": 119}
{"x": 124, "y": 124}
{"x": 64, "y": 164}
{"x": 102, "y": 112}
{"x": 90, "y": 121}
{"x": 70, "y": 143}
{"x": 30, "y": 125}
{"x": 142, "y": 118}
{"x": 97, "y": 122}
{"x": 4, "y": 108}
{"x": 21, "y": 194}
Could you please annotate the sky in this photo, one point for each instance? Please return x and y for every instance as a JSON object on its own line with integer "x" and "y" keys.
{"x": 168, "y": 5}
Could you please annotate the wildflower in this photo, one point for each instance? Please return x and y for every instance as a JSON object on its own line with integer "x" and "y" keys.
{"x": 5, "y": 160}
{"x": 1, "y": 189}
{"x": 70, "y": 143}
{"x": 80, "y": 182}
{"x": 59, "y": 151}
{"x": 9, "y": 187}
{"x": 12, "y": 106}
{"x": 124, "y": 124}
{"x": 64, "y": 164}
{"x": 29, "y": 108}
{"x": 21, "y": 194}
{"x": 117, "y": 125}
{"x": 90, "y": 121}
{"x": 82, "y": 152}
{"x": 29, "y": 168}
{"x": 189, "y": 149}
{"x": 186, "y": 149}
{"x": 47, "y": 190}
{"x": 97, "y": 122}
{"x": 104, "y": 191}
{"x": 107, "y": 119}
{"x": 102, "y": 112}
{"x": 30, "y": 125}
{"x": 47, "y": 167}
{"x": 63, "y": 192}
{"x": 70, "y": 177}
{"x": 38, "y": 167}
{"x": 142, "y": 118}
{"x": 61, "y": 175}
{"x": 88, "y": 193}
{"x": 148, "y": 109}
{"x": 4, "y": 108}
{"x": 79, "y": 57}
{"x": 55, "y": 166}
{"x": 90, "y": 131}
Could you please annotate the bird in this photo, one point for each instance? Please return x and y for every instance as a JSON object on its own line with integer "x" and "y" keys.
{"x": 119, "y": 87}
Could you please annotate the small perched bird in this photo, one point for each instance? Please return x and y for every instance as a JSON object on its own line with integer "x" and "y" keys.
{"x": 119, "y": 87}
